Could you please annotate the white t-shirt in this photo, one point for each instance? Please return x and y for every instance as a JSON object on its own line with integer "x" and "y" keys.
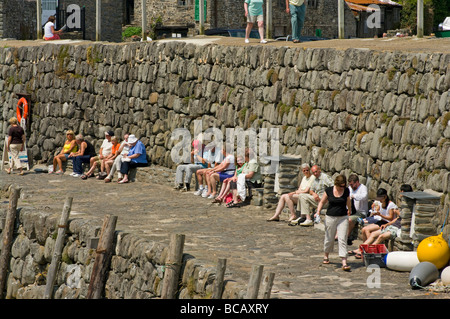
{"x": 360, "y": 197}
{"x": 48, "y": 29}
{"x": 106, "y": 147}
{"x": 385, "y": 211}
{"x": 306, "y": 182}
{"x": 230, "y": 169}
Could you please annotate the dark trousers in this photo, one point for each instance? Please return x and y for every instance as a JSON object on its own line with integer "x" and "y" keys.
{"x": 126, "y": 166}
{"x": 78, "y": 163}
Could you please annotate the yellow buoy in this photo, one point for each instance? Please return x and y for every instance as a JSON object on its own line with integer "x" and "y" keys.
{"x": 435, "y": 250}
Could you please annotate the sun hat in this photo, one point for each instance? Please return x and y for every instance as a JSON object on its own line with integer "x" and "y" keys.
{"x": 132, "y": 139}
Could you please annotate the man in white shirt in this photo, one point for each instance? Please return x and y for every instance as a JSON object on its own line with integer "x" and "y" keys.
{"x": 360, "y": 206}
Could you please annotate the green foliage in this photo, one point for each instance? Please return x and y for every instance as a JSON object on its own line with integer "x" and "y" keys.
{"x": 434, "y": 12}
{"x": 130, "y": 31}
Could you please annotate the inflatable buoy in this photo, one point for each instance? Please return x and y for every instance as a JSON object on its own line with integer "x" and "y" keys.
{"x": 423, "y": 274}
{"x": 22, "y": 103}
{"x": 445, "y": 276}
{"x": 435, "y": 250}
{"x": 401, "y": 260}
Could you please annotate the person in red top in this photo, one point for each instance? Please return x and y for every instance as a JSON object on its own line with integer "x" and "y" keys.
{"x": 16, "y": 143}
{"x": 108, "y": 161}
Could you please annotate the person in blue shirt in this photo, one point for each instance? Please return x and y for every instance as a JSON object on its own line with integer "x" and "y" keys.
{"x": 136, "y": 157}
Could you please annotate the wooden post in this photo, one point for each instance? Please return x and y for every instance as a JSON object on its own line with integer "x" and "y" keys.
{"x": 341, "y": 19}
{"x": 98, "y": 20}
{"x": 57, "y": 252}
{"x": 39, "y": 19}
{"x": 102, "y": 259}
{"x": 420, "y": 18}
{"x": 218, "y": 283}
{"x": 268, "y": 283}
{"x": 254, "y": 282}
{"x": 269, "y": 27}
{"x": 201, "y": 17}
{"x": 173, "y": 266}
{"x": 144, "y": 20}
{"x": 8, "y": 232}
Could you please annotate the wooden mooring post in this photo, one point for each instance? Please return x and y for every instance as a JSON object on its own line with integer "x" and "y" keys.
{"x": 8, "y": 232}
{"x": 103, "y": 258}
{"x": 57, "y": 252}
{"x": 220, "y": 275}
{"x": 268, "y": 284}
{"x": 254, "y": 282}
{"x": 173, "y": 266}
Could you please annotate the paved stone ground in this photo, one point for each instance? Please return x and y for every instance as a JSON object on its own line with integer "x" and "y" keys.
{"x": 151, "y": 208}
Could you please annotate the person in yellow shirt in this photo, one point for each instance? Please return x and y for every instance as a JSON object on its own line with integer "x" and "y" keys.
{"x": 297, "y": 9}
{"x": 70, "y": 146}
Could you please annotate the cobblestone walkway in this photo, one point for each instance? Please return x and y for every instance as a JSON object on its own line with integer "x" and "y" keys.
{"x": 151, "y": 207}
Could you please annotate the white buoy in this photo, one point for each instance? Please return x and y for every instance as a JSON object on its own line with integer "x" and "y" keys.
{"x": 445, "y": 276}
{"x": 401, "y": 260}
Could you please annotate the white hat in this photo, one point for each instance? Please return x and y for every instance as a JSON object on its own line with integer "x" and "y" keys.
{"x": 132, "y": 139}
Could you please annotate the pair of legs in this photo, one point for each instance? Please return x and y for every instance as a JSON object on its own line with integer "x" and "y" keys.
{"x": 224, "y": 190}
{"x": 371, "y": 234}
{"x": 125, "y": 169}
{"x": 78, "y": 163}
{"x": 186, "y": 170}
{"x": 249, "y": 27}
{"x": 336, "y": 225}
{"x": 202, "y": 179}
{"x": 14, "y": 162}
{"x": 57, "y": 162}
{"x": 212, "y": 180}
{"x": 114, "y": 167}
{"x": 297, "y": 21}
{"x": 289, "y": 200}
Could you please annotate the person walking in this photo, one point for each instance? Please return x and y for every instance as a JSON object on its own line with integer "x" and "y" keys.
{"x": 254, "y": 13}
{"x": 297, "y": 10}
{"x": 16, "y": 143}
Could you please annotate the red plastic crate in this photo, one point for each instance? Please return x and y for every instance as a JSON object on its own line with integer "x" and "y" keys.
{"x": 374, "y": 254}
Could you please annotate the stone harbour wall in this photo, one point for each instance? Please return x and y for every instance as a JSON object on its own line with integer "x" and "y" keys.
{"x": 136, "y": 269}
{"x": 383, "y": 115}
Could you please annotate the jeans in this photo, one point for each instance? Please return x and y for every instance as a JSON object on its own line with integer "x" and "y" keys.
{"x": 78, "y": 163}
{"x": 297, "y": 20}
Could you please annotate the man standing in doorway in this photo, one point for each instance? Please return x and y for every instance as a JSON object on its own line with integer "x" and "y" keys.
{"x": 297, "y": 9}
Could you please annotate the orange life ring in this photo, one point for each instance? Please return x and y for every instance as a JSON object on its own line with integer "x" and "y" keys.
{"x": 22, "y": 102}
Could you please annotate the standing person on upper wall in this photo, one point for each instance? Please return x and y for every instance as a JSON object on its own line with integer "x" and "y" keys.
{"x": 254, "y": 13}
{"x": 297, "y": 9}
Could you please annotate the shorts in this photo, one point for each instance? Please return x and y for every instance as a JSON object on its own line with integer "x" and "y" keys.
{"x": 394, "y": 231}
{"x": 254, "y": 19}
{"x": 224, "y": 176}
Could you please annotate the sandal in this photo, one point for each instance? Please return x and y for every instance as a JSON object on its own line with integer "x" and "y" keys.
{"x": 216, "y": 200}
{"x": 358, "y": 256}
{"x": 273, "y": 220}
{"x": 351, "y": 253}
{"x": 326, "y": 261}
{"x": 233, "y": 205}
{"x": 107, "y": 180}
{"x": 346, "y": 268}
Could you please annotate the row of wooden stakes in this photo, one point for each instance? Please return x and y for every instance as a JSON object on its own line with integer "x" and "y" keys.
{"x": 104, "y": 253}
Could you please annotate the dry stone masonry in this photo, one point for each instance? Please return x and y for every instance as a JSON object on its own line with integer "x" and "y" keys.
{"x": 383, "y": 115}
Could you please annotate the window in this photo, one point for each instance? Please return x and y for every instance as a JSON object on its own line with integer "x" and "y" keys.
{"x": 49, "y": 4}
{"x": 312, "y": 3}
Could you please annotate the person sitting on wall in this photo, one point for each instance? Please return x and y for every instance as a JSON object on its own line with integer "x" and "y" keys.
{"x": 49, "y": 30}
{"x": 70, "y": 146}
{"x": 309, "y": 201}
{"x": 105, "y": 150}
{"x": 84, "y": 154}
{"x": 197, "y": 162}
{"x": 252, "y": 177}
{"x": 220, "y": 172}
{"x": 136, "y": 157}
{"x": 226, "y": 184}
{"x": 212, "y": 158}
{"x": 108, "y": 161}
{"x": 359, "y": 197}
{"x": 123, "y": 150}
{"x": 291, "y": 199}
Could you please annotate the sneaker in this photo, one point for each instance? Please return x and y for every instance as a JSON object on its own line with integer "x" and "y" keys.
{"x": 247, "y": 41}
{"x": 211, "y": 196}
{"x": 198, "y": 192}
{"x": 178, "y": 187}
{"x": 307, "y": 222}
{"x": 205, "y": 194}
{"x": 75, "y": 175}
{"x": 263, "y": 41}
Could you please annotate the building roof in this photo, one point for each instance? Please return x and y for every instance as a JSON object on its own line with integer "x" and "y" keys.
{"x": 377, "y": 2}
{"x": 360, "y": 8}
